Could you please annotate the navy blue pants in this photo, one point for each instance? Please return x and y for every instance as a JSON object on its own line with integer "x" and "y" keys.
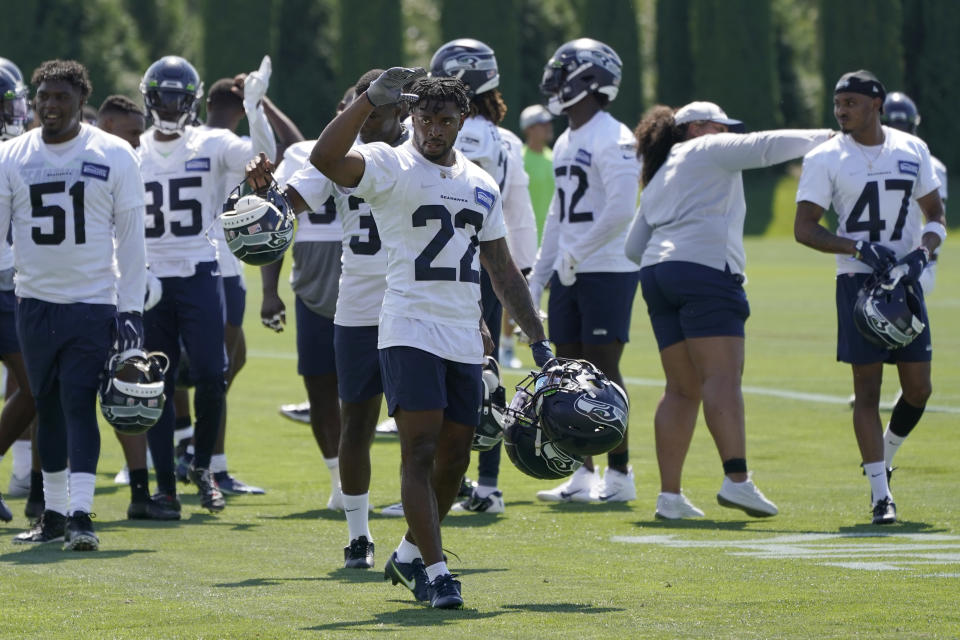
{"x": 488, "y": 462}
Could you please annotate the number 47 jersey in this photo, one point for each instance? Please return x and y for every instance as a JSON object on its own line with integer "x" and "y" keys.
{"x": 871, "y": 189}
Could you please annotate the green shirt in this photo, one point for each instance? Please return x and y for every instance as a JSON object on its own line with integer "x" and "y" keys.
{"x": 539, "y": 167}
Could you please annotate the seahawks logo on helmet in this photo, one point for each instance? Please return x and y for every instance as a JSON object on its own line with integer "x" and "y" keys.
{"x": 258, "y": 229}
{"x": 888, "y": 313}
{"x": 600, "y": 412}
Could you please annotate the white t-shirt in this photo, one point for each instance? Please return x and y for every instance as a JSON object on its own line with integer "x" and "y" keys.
{"x": 185, "y": 179}
{"x": 871, "y": 188}
{"x": 431, "y": 220}
{"x": 230, "y": 265}
{"x": 597, "y": 177}
{"x": 517, "y": 207}
{"x": 480, "y": 141}
{"x": 6, "y": 250}
{"x": 77, "y": 215}
{"x": 321, "y": 224}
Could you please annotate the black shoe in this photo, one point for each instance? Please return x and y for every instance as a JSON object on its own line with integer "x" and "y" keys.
{"x": 210, "y": 496}
{"x": 49, "y": 527}
{"x": 412, "y": 575}
{"x": 34, "y": 509}
{"x": 445, "y": 593}
{"x": 5, "y": 514}
{"x": 230, "y": 486}
{"x": 79, "y": 534}
{"x": 884, "y": 512}
{"x": 160, "y": 507}
{"x": 466, "y": 488}
{"x": 359, "y": 555}
{"x": 184, "y": 461}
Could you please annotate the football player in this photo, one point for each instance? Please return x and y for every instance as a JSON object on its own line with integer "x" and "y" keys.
{"x": 184, "y": 169}
{"x": 592, "y": 283}
{"x": 497, "y": 151}
{"x": 75, "y": 201}
{"x": 434, "y": 209}
{"x": 870, "y": 174}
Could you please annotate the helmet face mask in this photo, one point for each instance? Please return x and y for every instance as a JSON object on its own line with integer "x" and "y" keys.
{"x": 489, "y": 432}
{"x": 527, "y": 446}
{"x": 470, "y": 61}
{"x": 889, "y": 317}
{"x": 579, "y": 68}
{"x": 171, "y": 90}
{"x": 258, "y": 230}
{"x": 13, "y": 106}
{"x": 132, "y": 391}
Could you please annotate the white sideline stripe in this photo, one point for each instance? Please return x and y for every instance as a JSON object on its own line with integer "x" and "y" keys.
{"x": 650, "y": 382}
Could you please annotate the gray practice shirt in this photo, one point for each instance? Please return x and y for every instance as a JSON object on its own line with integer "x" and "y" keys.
{"x": 315, "y": 276}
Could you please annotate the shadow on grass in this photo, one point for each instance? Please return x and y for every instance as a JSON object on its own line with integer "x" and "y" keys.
{"x": 560, "y": 607}
{"x": 53, "y": 552}
{"x": 699, "y": 523}
{"x": 264, "y": 582}
{"x": 898, "y": 528}
{"x": 865, "y": 529}
{"x": 588, "y": 507}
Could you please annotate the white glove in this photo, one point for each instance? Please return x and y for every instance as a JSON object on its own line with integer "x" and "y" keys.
{"x": 154, "y": 291}
{"x": 536, "y": 293}
{"x": 255, "y": 85}
{"x": 567, "y": 273}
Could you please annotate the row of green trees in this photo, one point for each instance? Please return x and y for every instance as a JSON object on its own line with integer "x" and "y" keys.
{"x": 770, "y": 62}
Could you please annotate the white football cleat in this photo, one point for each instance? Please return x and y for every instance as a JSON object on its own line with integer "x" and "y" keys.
{"x": 746, "y": 497}
{"x": 394, "y": 510}
{"x": 20, "y": 487}
{"x": 388, "y": 426}
{"x": 616, "y": 486}
{"x": 123, "y": 476}
{"x": 675, "y": 506}
{"x": 577, "y": 488}
{"x": 493, "y": 503}
{"x": 335, "y": 502}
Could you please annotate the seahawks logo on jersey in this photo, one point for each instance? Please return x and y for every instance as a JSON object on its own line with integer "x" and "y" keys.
{"x": 600, "y": 412}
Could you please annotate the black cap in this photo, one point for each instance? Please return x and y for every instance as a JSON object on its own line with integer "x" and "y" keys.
{"x": 863, "y": 82}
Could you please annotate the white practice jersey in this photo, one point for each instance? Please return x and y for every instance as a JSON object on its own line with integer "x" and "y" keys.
{"x": 6, "y": 249}
{"x": 480, "y": 141}
{"x": 184, "y": 180}
{"x": 597, "y": 177}
{"x": 76, "y": 210}
{"x": 321, "y": 224}
{"x": 941, "y": 170}
{"x": 230, "y": 265}
{"x": 518, "y": 212}
{"x": 431, "y": 220}
{"x": 871, "y": 188}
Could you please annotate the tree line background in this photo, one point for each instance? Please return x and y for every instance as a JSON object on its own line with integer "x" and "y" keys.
{"x": 772, "y": 63}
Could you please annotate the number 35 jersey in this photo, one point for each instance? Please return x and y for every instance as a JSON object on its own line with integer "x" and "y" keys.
{"x": 183, "y": 180}
{"x": 431, "y": 220}
{"x": 871, "y": 189}
{"x": 66, "y": 204}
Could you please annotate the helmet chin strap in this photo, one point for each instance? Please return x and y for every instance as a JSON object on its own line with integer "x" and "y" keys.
{"x": 166, "y": 126}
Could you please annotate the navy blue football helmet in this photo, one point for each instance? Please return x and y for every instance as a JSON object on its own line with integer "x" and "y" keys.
{"x": 131, "y": 391}
{"x": 258, "y": 229}
{"x": 900, "y": 112}
{"x": 13, "y": 106}
{"x": 10, "y": 67}
{"x": 469, "y": 60}
{"x": 888, "y": 314}
{"x": 579, "y": 68}
{"x": 171, "y": 90}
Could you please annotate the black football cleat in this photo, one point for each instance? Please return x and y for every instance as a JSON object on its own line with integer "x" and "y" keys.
{"x": 230, "y": 486}
{"x": 210, "y": 496}
{"x": 159, "y": 507}
{"x": 445, "y": 593}
{"x": 48, "y": 528}
{"x": 79, "y": 535}
{"x": 412, "y": 575}
{"x": 884, "y": 512}
{"x": 5, "y": 514}
{"x": 359, "y": 554}
{"x": 466, "y": 488}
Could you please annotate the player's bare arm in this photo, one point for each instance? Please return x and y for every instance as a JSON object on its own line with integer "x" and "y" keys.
{"x": 511, "y": 287}
{"x": 808, "y": 231}
{"x": 933, "y": 211}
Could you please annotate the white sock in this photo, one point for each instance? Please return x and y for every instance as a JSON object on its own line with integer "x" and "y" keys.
{"x": 482, "y": 490}
{"x": 180, "y": 434}
{"x": 891, "y": 442}
{"x": 436, "y": 570}
{"x": 81, "y": 492}
{"x": 877, "y": 475}
{"x": 149, "y": 459}
{"x": 357, "y": 510}
{"x": 333, "y": 466}
{"x": 218, "y": 462}
{"x": 407, "y": 551}
{"x": 55, "y": 495}
{"x": 22, "y": 452}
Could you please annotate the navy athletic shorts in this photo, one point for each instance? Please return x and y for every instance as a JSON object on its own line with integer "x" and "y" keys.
{"x": 235, "y": 300}
{"x": 358, "y": 362}
{"x": 8, "y": 323}
{"x": 594, "y": 310}
{"x": 315, "y": 355}
{"x": 415, "y": 380}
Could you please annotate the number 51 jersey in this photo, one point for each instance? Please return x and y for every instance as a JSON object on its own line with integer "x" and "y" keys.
{"x": 871, "y": 190}
{"x": 183, "y": 182}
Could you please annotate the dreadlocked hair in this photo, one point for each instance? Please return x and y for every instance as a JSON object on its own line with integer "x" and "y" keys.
{"x": 441, "y": 90}
{"x": 69, "y": 71}
{"x": 656, "y": 134}
{"x": 489, "y": 105}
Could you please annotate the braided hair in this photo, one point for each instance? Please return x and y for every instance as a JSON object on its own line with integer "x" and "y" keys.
{"x": 441, "y": 90}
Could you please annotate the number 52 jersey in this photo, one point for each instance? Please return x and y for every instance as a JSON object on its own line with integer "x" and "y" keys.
{"x": 871, "y": 190}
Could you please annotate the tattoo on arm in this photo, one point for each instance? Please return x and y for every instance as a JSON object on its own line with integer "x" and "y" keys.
{"x": 511, "y": 287}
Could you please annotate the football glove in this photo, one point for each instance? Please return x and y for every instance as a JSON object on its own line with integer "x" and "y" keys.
{"x": 876, "y": 256}
{"x": 276, "y": 321}
{"x": 129, "y": 332}
{"x": 910, "y": 266}
{"x": 388, "y": 88}
{"x": 154, "y": 291}
{"x": 542, "y": 353}
{"x": 567, "y": 273}
{"x": 256, "y": 83}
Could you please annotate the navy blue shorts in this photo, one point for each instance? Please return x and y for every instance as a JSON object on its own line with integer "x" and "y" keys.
{"x": 595, "y": 310}
{"x": 853, "y": 348}
{"x": 190, "y": 314}
{"x": 315, "y": 355}
{"x": 66, "y": 343}
{"x": 235, "y": 300}
{"x": 689, "y": 300}
{"x": 358, "y": 362}
{"x": 8, "y": 323}
{"x": 415, "y": 380}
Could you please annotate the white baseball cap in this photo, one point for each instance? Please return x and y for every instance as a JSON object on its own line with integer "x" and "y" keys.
{"x": 696, "y": 111}
{"x": 534, "y": 114}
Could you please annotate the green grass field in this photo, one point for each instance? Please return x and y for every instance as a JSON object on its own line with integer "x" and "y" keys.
{"x": 271, "y": 566}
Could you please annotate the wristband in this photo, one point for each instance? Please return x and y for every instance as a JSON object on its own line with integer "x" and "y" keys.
{"x": 935, "y": 228}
